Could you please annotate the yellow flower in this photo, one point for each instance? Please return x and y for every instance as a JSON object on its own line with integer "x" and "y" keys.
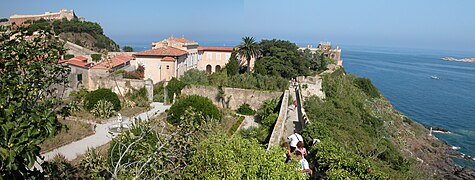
{"x": 18, "y": 86}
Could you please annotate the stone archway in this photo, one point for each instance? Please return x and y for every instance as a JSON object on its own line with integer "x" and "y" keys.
{"x": 208, "y": 69}
{"x": 217, "y": 68}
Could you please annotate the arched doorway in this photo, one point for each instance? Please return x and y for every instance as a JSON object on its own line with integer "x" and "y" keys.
{"x": 208, "y": 69}
{"x": 217, "y": 68}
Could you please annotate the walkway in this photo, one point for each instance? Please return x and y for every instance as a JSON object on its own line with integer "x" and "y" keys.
{"x": 101, "y": 136}
{"x": 292, "y": 122}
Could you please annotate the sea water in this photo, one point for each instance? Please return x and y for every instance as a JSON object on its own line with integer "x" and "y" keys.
{"x": 405, "y": 78}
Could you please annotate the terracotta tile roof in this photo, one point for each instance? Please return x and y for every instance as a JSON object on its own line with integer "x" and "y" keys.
{"x": 81, "y": 58}
{"x": 80, "y": 61}
{"x": 204, "y": 48}
{"x": 182, "y": 40}
{"x": 75, "y": 62}
{"x": 168, "y": 58}
{"x": 163, "y": 51}
{"x": 114, "y": 62}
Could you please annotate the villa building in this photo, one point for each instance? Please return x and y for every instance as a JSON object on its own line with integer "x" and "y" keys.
{"x": 191, "y": 47}
{"x": 213, "y": 59}
{"x": 162, "y": 63}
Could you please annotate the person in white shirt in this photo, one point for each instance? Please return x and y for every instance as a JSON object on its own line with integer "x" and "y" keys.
{"x": 303, "y": 163}
{"x": 294, "y": 139}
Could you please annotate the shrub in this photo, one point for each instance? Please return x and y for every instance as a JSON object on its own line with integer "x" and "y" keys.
{"x": 245, "y": 109}
{"x": 137, "y": 74}
{"x": 200, "y": 104}
{"x": 103, "y": 109}
{"x": 270, "y": 120}
{"x": 94, "y": 165}
{"x": 174, "y": 87}
{"x": 68, "y": 56}
{"x": 158, "y": 92}
{"x": 96, "y": 57}
{"x": 139, "y": 97}
{"x": 367, "y": 87}
{"x": 195, "y": 76}
{"x": 101, "y": 94}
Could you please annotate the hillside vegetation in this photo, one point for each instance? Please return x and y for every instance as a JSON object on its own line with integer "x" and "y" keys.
{"x": 87, "y": 34}
{"x": 362, "y": 136}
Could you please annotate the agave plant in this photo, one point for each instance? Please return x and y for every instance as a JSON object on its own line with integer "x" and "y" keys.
{"x": 103, "y": 109}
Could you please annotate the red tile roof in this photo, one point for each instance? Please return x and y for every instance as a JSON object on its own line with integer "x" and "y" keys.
{"x": 82, "y": 58}
{"x": 75, "y": 62}
{"x": 168, "y": 58}
{"x": 182, "y": 40}
{"x": 163, "y": 51}
{"x": 114, "y": 62}
{"x": 204, "y": 48}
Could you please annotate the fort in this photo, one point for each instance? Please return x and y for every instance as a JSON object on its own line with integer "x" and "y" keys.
{"x": 327, "y": 50}
{"x": 62, "y": 14}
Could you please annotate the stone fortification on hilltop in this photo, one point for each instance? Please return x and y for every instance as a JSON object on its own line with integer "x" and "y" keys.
{"x": 62, "y": 14}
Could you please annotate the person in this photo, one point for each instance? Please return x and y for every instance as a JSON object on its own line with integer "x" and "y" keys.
{"x": 288, "y": 154}
{"x": 303, "y": 163}
{"x": 294, "y": 139}
{"x": 302, "y": 149}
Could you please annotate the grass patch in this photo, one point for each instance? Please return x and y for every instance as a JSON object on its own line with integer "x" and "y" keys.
{"x": 75, "y": 130}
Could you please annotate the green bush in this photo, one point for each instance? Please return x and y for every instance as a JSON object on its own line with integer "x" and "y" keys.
{"x": 199, "y": 104}
{"x": 245, "y": 109}
{"x": 195, "y": 76}
{"x": 101, "y": 94}
{"x": 270, "y": 120}
{"x": 139, "y": 97}
{"x": 158, "y": 92}
{"x": 174, "y": 87}
{"x": 68, "y": 56}
{"x": 96, "y": 57}
{"x": 367, "y": 87}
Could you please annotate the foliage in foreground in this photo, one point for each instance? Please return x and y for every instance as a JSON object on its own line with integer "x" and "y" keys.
{"x": 103, "y": 109}
{"x": 199, "y": 104}
{"x": 219, "y": 157}
{"x": 30, "y": 94}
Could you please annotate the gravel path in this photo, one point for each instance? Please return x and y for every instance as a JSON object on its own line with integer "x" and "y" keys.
{"x": 101, "y": 136}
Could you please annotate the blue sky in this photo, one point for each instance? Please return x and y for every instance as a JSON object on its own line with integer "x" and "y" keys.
{"x": 429, "y": 24}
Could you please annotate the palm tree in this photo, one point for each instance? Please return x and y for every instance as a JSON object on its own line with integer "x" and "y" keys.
{"x": 248, "y": 49}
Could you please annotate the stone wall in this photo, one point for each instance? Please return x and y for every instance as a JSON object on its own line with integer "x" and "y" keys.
{"x": 234, "y": 97}
{"x": 279, "y": 126}
{"x": 122, "y": 86}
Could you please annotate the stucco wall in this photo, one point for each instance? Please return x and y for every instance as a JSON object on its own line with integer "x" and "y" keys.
{"x": 123, "y": 85}
{"x": 234, "y": 97}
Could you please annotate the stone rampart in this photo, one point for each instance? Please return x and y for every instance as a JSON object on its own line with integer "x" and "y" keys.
{"x": 233, "y": 97}
{"x": 279, "y": 126}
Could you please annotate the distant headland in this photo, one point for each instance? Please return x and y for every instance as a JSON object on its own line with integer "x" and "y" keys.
{"x": 471, "y": 60}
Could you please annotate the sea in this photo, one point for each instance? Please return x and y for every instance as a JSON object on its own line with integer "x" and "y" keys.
{"x": 430, "y": 91}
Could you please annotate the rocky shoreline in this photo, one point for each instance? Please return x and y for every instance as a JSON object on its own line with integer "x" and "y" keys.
{"x": 470, "y": 60}
{"x": 442, "y": 158}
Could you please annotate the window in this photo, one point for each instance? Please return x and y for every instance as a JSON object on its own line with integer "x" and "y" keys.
{"x": 208, "y": 57}
{"x": 168, "y": 66}
{"x": 228, "y": 56}
{"x": 79, "y": 78}
{"x": 218, "y": 56}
